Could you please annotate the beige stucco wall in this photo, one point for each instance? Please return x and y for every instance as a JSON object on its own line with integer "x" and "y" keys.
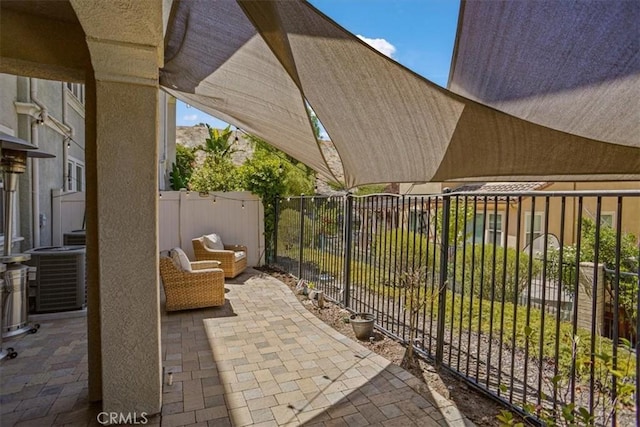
{"x": 21, "y": 103}
{"x": 630, "y": 205}
{"x": 609, "y": 205}
{"x": 630, "y": 208}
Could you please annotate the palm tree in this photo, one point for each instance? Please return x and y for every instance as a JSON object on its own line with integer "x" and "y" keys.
{"x": 218, "y": 148}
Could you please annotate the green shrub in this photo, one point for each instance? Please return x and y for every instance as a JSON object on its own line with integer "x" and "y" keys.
{"x": 215, "y": 177}
{"x": 182, "y": 169}
{"x": 478, "y": 273}
{"x": 403, "y": 250}
{"x": 629, "y": 256}
{"x": 289, "y": 230}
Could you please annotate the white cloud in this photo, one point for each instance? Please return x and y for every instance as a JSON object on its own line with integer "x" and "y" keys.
{"x": 190, "y": 118}
{"x": 381, "y": 45}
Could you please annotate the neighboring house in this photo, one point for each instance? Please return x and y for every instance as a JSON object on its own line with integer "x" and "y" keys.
{"x": 492, "y": 221}
{"x": 50, "y": 115}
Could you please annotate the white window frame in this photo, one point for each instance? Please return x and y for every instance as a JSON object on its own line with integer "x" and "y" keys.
{"x": 77, "y": 90}
{"x": 72, "y": 176}
{"x": 527, "y": 226}
{"x": 488, "y": 239}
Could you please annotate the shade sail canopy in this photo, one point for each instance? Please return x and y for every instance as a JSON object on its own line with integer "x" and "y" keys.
{"x": 255, "y": 63}
{"x": 572, "y": 66}
{"x": 217, "y": 62}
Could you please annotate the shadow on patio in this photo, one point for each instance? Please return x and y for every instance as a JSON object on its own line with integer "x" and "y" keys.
{"x": 261, "y": 359}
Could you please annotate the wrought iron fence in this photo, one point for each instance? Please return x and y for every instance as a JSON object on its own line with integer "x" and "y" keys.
{"x": 509, "y": 291}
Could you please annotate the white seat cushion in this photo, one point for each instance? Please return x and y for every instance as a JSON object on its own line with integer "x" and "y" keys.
{"x": 213, "y": 241}
{"x": 239, "y": 255}
{"x": 180, "y": 259}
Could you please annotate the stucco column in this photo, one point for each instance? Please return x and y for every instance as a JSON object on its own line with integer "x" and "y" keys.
{"x": 125, "y": 44}
{"x": 589, "y": 291}
{"x": 128, "y": 248}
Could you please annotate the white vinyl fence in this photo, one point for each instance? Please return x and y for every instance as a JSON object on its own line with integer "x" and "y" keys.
{"x": 238, "y": 217}
{"x": 67, "y": 214}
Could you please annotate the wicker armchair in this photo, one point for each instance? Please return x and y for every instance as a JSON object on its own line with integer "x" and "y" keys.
{"x": 201, "y": 287}
{"x": 230, "y": 263}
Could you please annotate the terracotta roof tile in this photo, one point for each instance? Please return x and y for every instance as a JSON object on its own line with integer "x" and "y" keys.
{"x": 501, "y": 187}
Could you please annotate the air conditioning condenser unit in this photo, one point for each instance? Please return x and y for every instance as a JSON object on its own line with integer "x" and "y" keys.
{"x": 60, "y": 283}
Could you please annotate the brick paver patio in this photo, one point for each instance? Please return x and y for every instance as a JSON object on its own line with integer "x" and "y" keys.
{"x": 262, "y": 359}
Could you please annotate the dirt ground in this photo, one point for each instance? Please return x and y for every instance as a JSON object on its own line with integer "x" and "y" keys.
{"x": 479, "y": 408}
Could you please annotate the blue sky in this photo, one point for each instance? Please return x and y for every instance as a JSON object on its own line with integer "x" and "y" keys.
{"x": 418, "y": 34}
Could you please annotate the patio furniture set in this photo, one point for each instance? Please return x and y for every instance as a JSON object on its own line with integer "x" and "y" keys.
{"x": 200, "y": 283}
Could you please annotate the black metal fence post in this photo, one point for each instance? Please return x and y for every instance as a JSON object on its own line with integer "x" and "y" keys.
{"x": 273, "y": 256}
{"x": 444, "y": 265}
{"x": 348, "y": 221}
{"x": 301, "y": 242}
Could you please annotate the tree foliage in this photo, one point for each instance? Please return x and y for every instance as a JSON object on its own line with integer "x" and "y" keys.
{"x": 315, "y": 123}
{"x": 264, "y": 177}
{"x": 297, "y": 178}
{"x": 268, "y": 173}
{"x": 212, "y": 176}
{"x": 289, "y": 230}
{"x": 182, "y": 168}
{"x": 606, "y": 246}
{"x": 219, "y": 146}
{"x": 460, "y": 222}
{"x": 217, "y": 172}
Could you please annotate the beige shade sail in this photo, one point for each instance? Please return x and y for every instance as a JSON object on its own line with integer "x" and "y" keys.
{"x": 218, "y": 63}
{"x": 572, "y": 66}
{"x": 254, "y": 63}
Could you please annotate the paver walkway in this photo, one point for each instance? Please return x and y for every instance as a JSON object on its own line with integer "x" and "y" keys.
{"x": 262, "y": 359}
{"x": 278, "y": 364}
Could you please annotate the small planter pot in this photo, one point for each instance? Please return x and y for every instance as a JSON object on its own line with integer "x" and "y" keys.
{"x": 362, "y": 324}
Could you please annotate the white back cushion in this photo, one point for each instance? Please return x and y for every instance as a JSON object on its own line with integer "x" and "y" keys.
{"x": 180, "y": 259}
{"x": 213, "y": 241}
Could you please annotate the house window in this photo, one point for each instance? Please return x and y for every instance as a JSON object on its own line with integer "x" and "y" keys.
{"x": 76, "y": 90}
{"x": 475, "y": 229}
{"x": 75, "y": 175}
{"x": 494, "y": 229}
{"x": 606, "y": 218}
{"x": 537, "y": 226}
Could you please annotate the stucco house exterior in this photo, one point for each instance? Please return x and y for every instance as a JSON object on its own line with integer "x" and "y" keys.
{"x": 49, "y": 114}
{"x": 493, "y": 219}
